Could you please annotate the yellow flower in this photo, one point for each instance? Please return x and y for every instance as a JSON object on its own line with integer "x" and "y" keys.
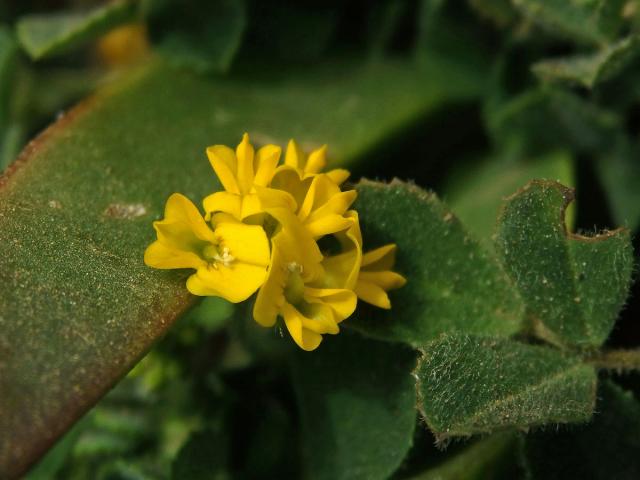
{"x": 318, "y": 202}
{"x": 293, "y": 237}
{"x": 230, "y": 261}
{"x": 239, "y": 173}
{"x": 263, "y": 233}
{"x": 341, "y": 270}
{"x": 373, "y": 277}
{"x": 308, "y": 312}
{"x": 308, "y": 166}
{"x": 124, "y": 46}
{"x": 376, "y": 278}
{"x": 322, "y": 211}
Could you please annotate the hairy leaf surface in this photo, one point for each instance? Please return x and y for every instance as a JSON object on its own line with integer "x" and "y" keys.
{"x": 469, "y": 385}
{"x": 573, "y": 285}
{"x": 454, "y": 283}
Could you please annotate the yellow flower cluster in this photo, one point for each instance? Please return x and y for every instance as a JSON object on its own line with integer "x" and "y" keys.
{"x": 284, "y": 230}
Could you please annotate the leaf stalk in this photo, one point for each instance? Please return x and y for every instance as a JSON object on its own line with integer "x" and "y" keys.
{"x": 620, "y": 361}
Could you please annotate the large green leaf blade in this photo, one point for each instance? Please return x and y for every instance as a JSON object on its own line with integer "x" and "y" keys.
{"x": 469, "y": 385}
{"x": 77, "y": 305}
{"x": 357, "y": 404}
{"x": 453, "y": 282}
{"x": 574, "y": 286}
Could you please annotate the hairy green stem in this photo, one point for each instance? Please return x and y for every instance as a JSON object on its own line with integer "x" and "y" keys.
{"x": 618, "y": 360}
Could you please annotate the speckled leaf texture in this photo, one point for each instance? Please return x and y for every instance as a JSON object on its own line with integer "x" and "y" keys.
{"x": 77, "y": 305}
{"x": 455, "y": 284}
{"x": 357, "y": 404}
{"x": 573, "y": 285}
{"x": 469, "y": 385}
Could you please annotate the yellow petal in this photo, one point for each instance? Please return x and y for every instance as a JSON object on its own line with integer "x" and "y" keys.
{"x": 387, "y": 280}
{"x": 317, "y": 160}
{"x": 327, "y": 224}
{"x": 353, "y": 234}
{"x": 180, "y": 209}
{"x": 158, "y": 255}
{"x": 372, "y": 294}
{"x": 338, "y": 203}
{"x": 244, "y": 154}
{"x": 297, "y": 244}
{"x": 222, "y": 217}
{"x": 235, "y": 282}
{"x": 381, "y": 258}
{"x": 328, "y": 218}
{"x": 307, "y": 205}
{"x": 294, "y": 157}
{"x": 319, "y": 318}
{"x": 287, "y": 179}
{"x": 305, "y": 338}
{"x": 224, "y": 163}
{"x": 341, "y": 301}
{"x": 341, "y": 271}
{"x": 321, "y": 192}
{"x": 250, "y": 206}
{"x": 183, "y": 228}
{"x": 246, "y": 243}
{"x": 223, "y": 202}
{"x": 266, "y": 162}
{"x": 338, "y": 175}
{"x": 270, "y": 298}
{"x": 274, "y": 198}
{"x": 326, "y": 189}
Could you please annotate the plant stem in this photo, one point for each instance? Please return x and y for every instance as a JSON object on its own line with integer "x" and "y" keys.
{"x": 618, "y": 360}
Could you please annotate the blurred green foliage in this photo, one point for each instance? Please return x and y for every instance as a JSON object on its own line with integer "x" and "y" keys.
{"x": 544, "y": 89}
